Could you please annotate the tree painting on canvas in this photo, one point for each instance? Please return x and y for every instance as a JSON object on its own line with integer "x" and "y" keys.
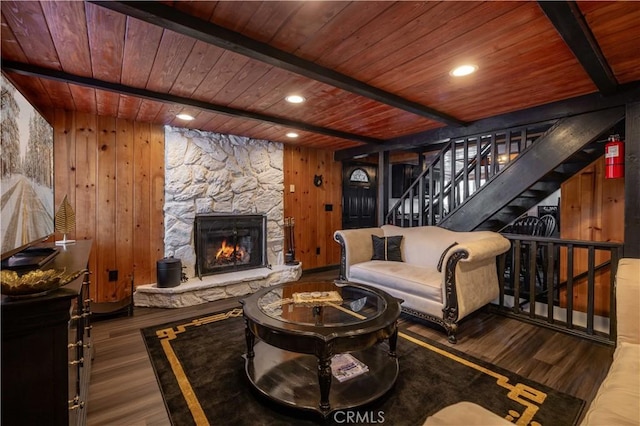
{"x": 26, "y": 162}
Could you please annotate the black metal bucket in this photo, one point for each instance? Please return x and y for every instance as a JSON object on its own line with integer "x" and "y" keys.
{"x": 169, "y": 272}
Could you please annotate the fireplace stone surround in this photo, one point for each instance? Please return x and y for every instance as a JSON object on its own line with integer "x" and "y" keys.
{"x": 212, "y": 173}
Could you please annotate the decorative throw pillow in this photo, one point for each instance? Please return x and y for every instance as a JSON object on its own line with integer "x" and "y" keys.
{"x": 444, "y": 253}
{"x": 387, "y": 248}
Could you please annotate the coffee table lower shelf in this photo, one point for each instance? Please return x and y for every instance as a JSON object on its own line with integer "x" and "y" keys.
{"x": 291, "y": 378}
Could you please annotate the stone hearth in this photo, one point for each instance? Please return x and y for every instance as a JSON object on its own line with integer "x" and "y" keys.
{"x": 214, "y": 287}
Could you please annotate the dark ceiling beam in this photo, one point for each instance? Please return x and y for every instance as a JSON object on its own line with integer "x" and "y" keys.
{"x": 49, "y": 74}
{"x": 172, "y": 19}
{"x": 627, "y": 93}
{"x": 570, "y": 23}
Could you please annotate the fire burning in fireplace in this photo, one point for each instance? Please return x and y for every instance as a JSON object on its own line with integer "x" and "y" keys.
{"x": 227, "y": 253}
{"x": 227, "y": 243}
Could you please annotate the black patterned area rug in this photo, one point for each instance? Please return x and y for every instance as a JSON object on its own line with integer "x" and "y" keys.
{"x": 200, "y": 369}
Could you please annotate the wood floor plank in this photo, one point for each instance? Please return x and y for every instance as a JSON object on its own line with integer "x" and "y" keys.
{"x": 124, "y": 391}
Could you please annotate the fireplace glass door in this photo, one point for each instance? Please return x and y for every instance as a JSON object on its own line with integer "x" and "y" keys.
{"x": 226, "y": 243}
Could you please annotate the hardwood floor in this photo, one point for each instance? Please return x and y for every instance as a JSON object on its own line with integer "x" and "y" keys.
{"x": 124, "y": 391}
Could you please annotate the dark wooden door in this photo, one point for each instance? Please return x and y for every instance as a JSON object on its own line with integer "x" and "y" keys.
{"x": 359, "y": 196}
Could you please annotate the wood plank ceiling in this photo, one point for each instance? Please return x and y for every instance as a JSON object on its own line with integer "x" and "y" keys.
{"x": 370, "y": 71}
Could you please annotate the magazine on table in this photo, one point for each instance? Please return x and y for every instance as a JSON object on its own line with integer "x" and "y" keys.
{"x": 346, "y": 366}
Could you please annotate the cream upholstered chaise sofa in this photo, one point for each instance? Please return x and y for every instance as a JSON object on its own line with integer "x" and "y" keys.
{"x": 443, "y": 276}
{"x": 617, "y": 401}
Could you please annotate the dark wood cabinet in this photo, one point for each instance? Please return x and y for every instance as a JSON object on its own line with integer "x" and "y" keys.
{"x": 46, "y": 349}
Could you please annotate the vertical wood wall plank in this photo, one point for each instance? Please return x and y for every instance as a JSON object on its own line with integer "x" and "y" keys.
{"x": 321, "y": 169}
{"x": 334, "y": 223}
{"x": 124, "y": 207}
{"x": 86, "y": 174}
{"x": 106, "y": 232}
{"x": 156, "y": 209}
{"x": 64, "y": 161}
{"x": 613, "y": 205}
{"x": 302, "y": 220}
{"x": 312, "y": 206}
{"x": 142, "y": 203}
{"x": 601, "y": 233}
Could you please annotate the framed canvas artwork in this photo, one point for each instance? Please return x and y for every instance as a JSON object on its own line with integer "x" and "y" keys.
{"x": 26, "y": 158}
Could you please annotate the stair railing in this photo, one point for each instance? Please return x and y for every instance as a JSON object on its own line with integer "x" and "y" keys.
{"x": 565, "y": 285}
{"x": 461, "y": 168}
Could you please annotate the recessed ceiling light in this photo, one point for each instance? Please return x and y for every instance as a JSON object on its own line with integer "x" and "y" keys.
{"x": 463, "y": 70}
{"x": 292, "y": 135}
{"x": 185, "y": 117}
{"x": 295, "y": 99}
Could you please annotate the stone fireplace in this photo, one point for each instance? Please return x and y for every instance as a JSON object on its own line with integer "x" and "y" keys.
{"x": 211, "y": 175}
{"x": 226, "y": 243}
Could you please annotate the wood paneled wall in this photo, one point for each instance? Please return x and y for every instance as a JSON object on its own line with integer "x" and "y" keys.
{"x": 112, "y": 171}
{"x": 314, "y": 226}
{"x": 591, "y": 209}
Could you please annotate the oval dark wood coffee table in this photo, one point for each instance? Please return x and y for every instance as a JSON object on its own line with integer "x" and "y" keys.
{"x": 301, "y": 326}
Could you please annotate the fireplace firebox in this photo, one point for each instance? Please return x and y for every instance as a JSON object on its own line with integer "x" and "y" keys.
{"x": 227, "y": 243}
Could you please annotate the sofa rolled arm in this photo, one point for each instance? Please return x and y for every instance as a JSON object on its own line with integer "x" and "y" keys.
{"x": 490, "y": 247}
{"x": 470, "y": 275}
{"x": 451, "y": 309}
{"x": 356, "y": 247}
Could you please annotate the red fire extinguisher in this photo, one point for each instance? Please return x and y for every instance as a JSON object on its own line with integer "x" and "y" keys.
{"x": 614, "y": 158}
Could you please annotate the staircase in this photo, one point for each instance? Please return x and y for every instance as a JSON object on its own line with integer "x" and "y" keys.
{"x": 483, "y": 182}
{"x": 547, "y": 185}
